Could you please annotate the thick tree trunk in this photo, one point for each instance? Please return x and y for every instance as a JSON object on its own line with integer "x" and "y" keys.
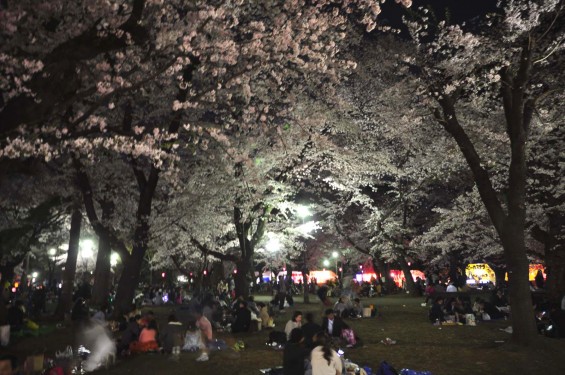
{"x": 409, "y": 283}
{"x": 555, "y": 269}
{"x": 241, "y": 278}
{"x": 66, "y": 298}
{"x": 520, "y": 297}
{"x": 130, "y": 275}
{"x": 7, "y": 272}
{"x": 103, "y": 271}
{"x": 102, "y": 274}
{"x": 384, "y": 270}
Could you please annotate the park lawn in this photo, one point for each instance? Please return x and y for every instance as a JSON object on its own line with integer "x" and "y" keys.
{"x": 446, "y": 350}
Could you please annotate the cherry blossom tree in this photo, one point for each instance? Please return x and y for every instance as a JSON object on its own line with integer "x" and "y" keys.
{"x": 498, "y": 72}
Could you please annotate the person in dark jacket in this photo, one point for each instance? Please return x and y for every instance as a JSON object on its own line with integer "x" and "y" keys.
{"x": 294, "y": 353}
{"x": 332, "y": 324}
{"x": 242, "y": 319}
{"x": 130, "y": 334}
{"x": 310, "y": 328}
{"x": 172, "y": 335}
{"x": 436, "y": 312}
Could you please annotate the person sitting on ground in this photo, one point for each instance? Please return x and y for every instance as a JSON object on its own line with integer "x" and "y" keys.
{"x": 295, "y": 322}
{"x": 146, "y": 318}
{"x": 206, "y": 334}
{"x": 436, "y": 314}
{"x": 266, "y": 320}
{"x": 252, "y": 306}
{"x": 323, "y": 358}
{"x": 491, "y": 310}
{"x": 147, "y": 339}
{"x": 333, "y": 325}
{"x": 341, "y": 307}
{"x": 499, "y": 299}
{"x": 242, "y": 320}
{"x": 171, "y": 335}
{"x": 310, "y": 329}
{"x": 130, "y": 334}
{"x": 451, "y": 288}
{"x": 294, "y": 353}
{"x": 357, "y": 308}
{"x": 193, "y": 338}
{"x": 100, "y": 314}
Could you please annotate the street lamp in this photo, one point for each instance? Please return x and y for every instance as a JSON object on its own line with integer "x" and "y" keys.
{"x": 326, "y": 263}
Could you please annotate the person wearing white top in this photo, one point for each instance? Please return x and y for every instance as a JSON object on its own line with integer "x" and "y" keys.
{"x": 451, "y": 288}
{"x": 323, "y": 358}
{"x": 295, "y": 322}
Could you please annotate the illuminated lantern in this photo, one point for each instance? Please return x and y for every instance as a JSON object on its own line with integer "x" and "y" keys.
{"x": 163, "y": 274}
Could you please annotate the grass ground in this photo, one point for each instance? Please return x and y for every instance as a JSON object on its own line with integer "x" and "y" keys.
{"x": 446, "y": 350}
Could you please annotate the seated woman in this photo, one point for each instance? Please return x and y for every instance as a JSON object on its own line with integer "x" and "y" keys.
{"x": 436, "y": 314}
{"x": 147, "y": 339}
{"x": 193, "y": 338}
{"x": 323, "y": 358}
{"x": 242, "y": 320}
{"x": 295, "y": 322}
{"x": 294, "y": 354}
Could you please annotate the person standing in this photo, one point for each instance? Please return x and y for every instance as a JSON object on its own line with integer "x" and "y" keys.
{"x": 540, "y": 281}
{"x": 282, "y": 293}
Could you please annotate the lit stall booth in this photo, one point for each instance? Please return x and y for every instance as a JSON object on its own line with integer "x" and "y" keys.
{"x": 367, "y": 274}
{"x": 322, "y": 277}
{"x": 533, "y": 271}
{"x": 399, "y": 279}
{"x": 296, "y": 276}
{"x": 479, "y": 273}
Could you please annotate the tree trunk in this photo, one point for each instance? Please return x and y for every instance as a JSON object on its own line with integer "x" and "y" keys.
{"x": 241, "y": 278}
{"x": 520, "y": 296}
{"x": 102, "y": 273}
{"x": 383, "y": 269}
{"x": 409, "y": 283}
{"x": 133, "y": 263}
{"x": 7, "y": 272}
{"x": 130, "y": 275}
{"x": 66, "y": 298}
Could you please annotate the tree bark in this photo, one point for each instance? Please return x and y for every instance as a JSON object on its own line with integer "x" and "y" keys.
{"x": 511, "y": 226}
{"x": 66, "y": 298}
{"x": 103, "y": 271}
{"x": 384, "y": 271}
{"x": 409, "y": 281}
{"x": 132, "y": 265}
